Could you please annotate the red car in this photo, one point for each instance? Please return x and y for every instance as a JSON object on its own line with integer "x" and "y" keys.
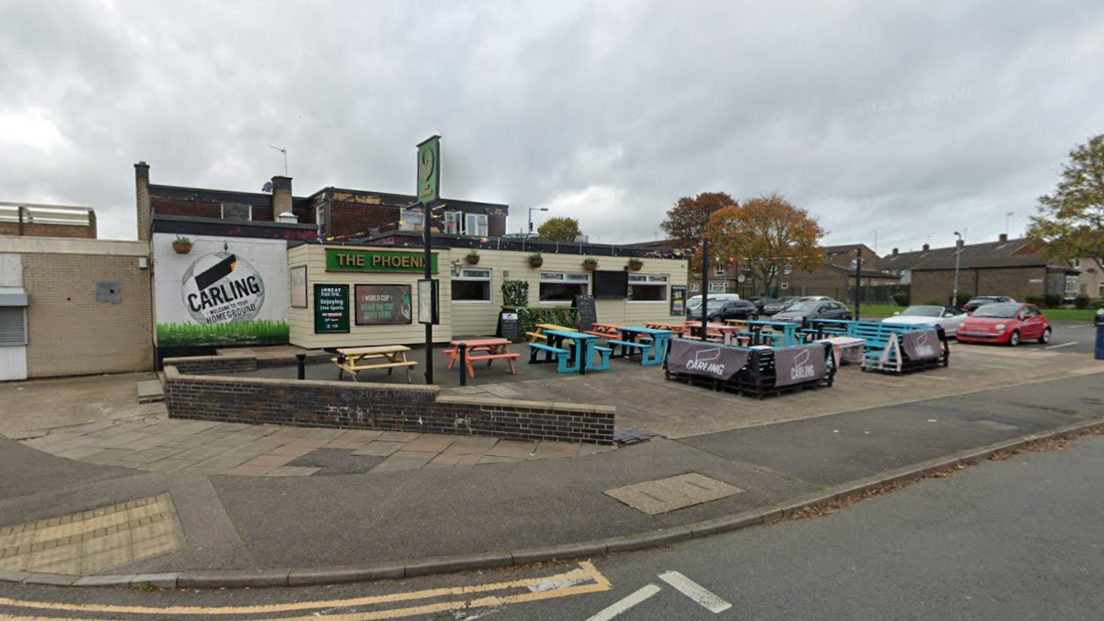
{"x": 1006, "y": 324}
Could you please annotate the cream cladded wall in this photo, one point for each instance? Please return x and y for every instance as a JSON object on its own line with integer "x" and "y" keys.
{"x": 462, "y": 318}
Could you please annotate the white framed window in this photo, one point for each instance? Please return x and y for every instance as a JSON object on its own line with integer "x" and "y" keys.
{"x": 1075, "y": 264}
{"x": 719, "y": 271}
{"x": 452, "y": 222}
{"x": 472, "y": 285}
{"x": 475, "y": 224}
{"x": 237, "y": 211}
{"x": 13, "y": 326}
{"x": 411, "y": 219}
{"x": 559, "y": 287}
{"x": 717, "y": 287}
{"x": 696, "y": 288}
{"x": 648, "y": 288}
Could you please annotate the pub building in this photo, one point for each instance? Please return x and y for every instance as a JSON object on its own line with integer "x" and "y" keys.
{"x": 365, "y": 292}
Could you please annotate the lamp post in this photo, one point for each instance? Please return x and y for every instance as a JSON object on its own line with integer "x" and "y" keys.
{"x": 958, "y": 258}
{"x": 531, "y": 210}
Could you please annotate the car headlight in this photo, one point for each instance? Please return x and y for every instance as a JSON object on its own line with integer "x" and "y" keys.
{"x": 1000, "y": 326}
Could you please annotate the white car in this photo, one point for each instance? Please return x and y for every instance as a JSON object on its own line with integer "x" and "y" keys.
{"x": 949, "y": 317}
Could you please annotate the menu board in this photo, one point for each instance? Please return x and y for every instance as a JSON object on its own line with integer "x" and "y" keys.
{"x": 383, "y": 304}
{"x": 508, "y": 325}
{"x": 587, "y": 313}
{"x": 678, "y": 300}
{"x": 331, "y": 308}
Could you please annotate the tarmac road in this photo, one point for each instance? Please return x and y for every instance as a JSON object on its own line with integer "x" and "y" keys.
{"x": 1018, "y": 539}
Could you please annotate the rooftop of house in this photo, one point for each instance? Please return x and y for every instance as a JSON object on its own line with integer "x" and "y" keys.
{"x": 1019, "y": 252}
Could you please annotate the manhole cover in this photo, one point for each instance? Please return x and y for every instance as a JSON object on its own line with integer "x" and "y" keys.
{"x": 663, "y": 495}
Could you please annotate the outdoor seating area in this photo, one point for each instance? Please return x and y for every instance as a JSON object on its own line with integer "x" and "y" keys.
{"x": 354, "y": 360}
{"x": 469, "y": 351}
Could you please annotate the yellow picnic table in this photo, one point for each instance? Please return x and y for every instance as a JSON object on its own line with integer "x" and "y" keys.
{"x": 541, "y": 327}
{"x": 357, "y": 359}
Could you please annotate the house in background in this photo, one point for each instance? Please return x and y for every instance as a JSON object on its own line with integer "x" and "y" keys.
{"x": 36, "y": 220}
{"x": 835, "y": 278}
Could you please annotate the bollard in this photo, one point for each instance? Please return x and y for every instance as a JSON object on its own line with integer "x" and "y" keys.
{"x": 301, "y": 362}
{"x": 463, "y": 347}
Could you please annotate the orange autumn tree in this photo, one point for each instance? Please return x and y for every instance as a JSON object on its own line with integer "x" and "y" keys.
{"x": 767, "y": 235}
{"x": 686, "y": 222}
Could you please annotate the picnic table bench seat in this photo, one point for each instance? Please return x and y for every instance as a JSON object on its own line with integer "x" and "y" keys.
{"x": 357, "y": 359}
{"x": 882, "y": 349}
{"x": 562, "y": 356}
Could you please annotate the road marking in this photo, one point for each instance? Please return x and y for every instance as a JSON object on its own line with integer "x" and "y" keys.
{"x": 626, "y": 603}
{"x": 703, "y": 596}
{"x": 1061, "y": 345}
{"x": 595, "y": 582}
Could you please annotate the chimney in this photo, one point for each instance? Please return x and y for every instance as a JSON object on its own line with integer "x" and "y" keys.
{"x": 141, "y": 186}
{"x": 895, "y": 252}
{"x": 960, "y": 243}
{"x": 926, "y": 248}
{"x": 1004, "y": 238}
{"x": 281, "y": 197}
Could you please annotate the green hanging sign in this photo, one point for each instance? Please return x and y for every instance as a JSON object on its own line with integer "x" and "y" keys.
{"x": 429, "y": 170}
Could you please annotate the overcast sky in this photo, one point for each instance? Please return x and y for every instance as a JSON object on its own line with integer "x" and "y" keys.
{"x": 912, "y": 118}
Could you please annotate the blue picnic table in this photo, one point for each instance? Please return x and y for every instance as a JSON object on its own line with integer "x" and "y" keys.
{"x": 788, "y": 330}
{"x": 582, "y": 349}
{"x": 651, "y": 342}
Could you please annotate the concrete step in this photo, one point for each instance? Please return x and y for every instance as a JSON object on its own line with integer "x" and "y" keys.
{"x": 150, "y": 391}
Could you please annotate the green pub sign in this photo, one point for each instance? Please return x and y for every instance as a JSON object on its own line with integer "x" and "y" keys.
{"x": 343, "y": 260}
{"x": 429, "y": 170}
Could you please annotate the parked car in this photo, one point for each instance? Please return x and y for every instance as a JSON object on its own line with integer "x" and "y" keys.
{"x": 982, "y": 300}
{"x": 802, "y": 312}
{"x": 762, "y": 302}
{"x": 779, "y": 305}
{"x": 722, "y": 310}
{"x": 1005, "y": 323}
{"x": 1099, "y": 317}
{"x": 696, "y": 301}
{"x": 949, "y": 317}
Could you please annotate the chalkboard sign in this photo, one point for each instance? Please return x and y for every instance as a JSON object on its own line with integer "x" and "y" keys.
{"x": 508, "y": 325}
{"x": 331, "y": 308}
{"x": 587, "y": 314}
{"x": 383, "y": 304}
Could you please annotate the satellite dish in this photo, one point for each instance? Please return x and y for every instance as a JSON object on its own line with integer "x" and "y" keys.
{"x": 267, "y": 187}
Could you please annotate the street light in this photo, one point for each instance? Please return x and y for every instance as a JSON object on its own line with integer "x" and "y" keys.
{"x": 958, "y": 257}
{"x": 531, "y": 210}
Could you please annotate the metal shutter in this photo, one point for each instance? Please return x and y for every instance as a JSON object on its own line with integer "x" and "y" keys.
{"x": 13, "y": 325}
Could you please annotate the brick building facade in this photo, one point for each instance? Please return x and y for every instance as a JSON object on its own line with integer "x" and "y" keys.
{"x": 34, "y": 220}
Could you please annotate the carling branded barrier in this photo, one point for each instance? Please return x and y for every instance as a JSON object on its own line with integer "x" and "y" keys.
{"x": 758, "y": 371}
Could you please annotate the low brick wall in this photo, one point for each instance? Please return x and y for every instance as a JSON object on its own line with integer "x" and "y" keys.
{"x": 212, "y": 365}
{"x": 391, "y": 407}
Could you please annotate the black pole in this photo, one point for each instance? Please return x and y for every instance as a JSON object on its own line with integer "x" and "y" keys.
{"x": 301, "y": 362}
{"x": 427, "y": 220}
{"x": 858, "y": 280}
{"x": 463, "y": 350}
{"x": 705, "y": 283}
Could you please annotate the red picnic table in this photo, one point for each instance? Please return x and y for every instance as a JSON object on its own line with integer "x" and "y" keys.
{"x": 605, "y": 330}
{"x": 489, "y": 349}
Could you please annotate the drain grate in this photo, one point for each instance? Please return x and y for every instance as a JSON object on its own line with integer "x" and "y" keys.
{"x": 624, "y": 435}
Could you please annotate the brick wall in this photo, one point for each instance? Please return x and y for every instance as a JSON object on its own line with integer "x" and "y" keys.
{"x": 392, "y": 407}
{"x": 197, "y": 209}
{"x": 69, "y": 332}
{"x": 354, "y": 218}
{"x": 49, "y": 230}
{"x": 1017, "y": 282}
{"x": 212, "y": 365}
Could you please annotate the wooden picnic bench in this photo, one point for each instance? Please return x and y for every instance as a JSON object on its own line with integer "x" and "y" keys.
{"x": 541, "y": 328}
{"x": 354, "y": 359}
{"x": 475, "y": 350}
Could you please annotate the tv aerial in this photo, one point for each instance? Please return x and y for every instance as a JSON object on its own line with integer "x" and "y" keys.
{"x": 284, "y": 151}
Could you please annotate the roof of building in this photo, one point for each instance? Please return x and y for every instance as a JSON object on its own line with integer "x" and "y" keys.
{"x": 1020, "y": 252}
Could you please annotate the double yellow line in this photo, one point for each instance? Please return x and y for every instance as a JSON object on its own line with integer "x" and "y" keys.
{"x": 585, "y": 579}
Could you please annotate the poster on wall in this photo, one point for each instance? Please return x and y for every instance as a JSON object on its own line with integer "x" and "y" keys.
{"x": 383, "y": 304}
{"x": 224, "y": 291}
{"x": 678, "y": 300}
{"x": 298, "y": 286}
{"x": 331, "y": 308}
{"x": 429, "y": 301}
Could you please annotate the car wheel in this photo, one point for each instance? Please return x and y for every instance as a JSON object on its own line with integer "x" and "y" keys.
{"x": 1045, "y": 338}
{"x": 1014, "y": 339}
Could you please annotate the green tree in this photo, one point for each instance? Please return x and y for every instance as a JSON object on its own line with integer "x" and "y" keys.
{"x": 1069, "y": 222}
{"x": 767, "y": 235}
{"x": 559, "y": 230}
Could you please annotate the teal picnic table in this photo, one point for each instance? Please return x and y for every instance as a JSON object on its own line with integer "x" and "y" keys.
{"x": 582, "y": 350}
{"x": 652, "y": 353}
{"x": 788, "y": 332}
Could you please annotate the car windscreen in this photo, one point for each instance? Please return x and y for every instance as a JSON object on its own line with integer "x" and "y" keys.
{"x": 801, "y": 307}
{"x": 997, "y": 311}
{"x": 922, "y": 311}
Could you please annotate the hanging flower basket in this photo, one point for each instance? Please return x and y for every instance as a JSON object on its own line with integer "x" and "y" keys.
{"x": 590, "y": 264}
{"x": 536, "y": 260}
{"x": 472, "y": 258}
{"x": 635, "y": 264}
{"x": 182, "y": 245}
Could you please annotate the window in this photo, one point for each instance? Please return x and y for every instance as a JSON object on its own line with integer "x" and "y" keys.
{"x": 562, "y": 287}
{"x": 410, "y": 219}
{"x": 475, "y": 224}
{"x": 717, "y": 287}
{"x": 13, "y": 325}
{"x": 696, "y": 288}
{"x": 719, "y": 271}
{"x": 647, "y": 288}
{"x": 452, "y": 222}
{"x": 237, "y": 211}
{"x": 472, "y": 286}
